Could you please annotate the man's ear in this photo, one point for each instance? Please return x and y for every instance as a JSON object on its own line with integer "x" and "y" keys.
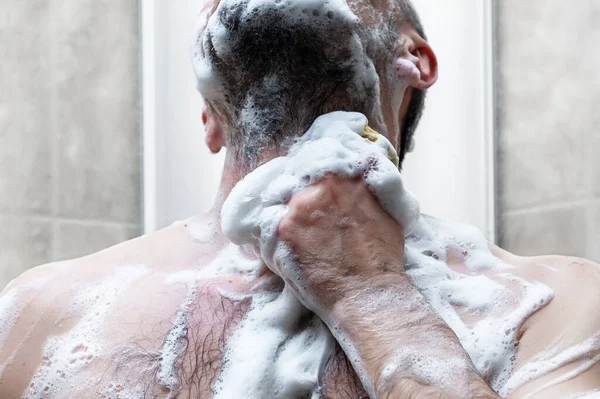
{"x": 427, "y": 64}
{"x": 214, "y": 133}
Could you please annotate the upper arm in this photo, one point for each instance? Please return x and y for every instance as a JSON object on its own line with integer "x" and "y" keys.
{"x": 561, "y": 343}
{"x": 21, "y": 324}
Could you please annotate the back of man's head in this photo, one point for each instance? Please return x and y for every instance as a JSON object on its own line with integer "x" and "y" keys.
{"x": 269, "y": 68}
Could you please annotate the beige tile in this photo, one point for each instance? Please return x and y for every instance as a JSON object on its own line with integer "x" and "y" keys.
{"x": 561, "y": 231}
{"x": 25, "y": 108}
{"x": 594, "y": 237}
{"x": 98, "y": 111}
{"x": 25, "y": 159}
{"x": 74, "y": 240}
{"x": 23, "y": 244}
{"x": 547, "y": 110}
{"x": 543, "y": 67}
{"x": 594, "y": 151}
{"x": 553, "y": 170}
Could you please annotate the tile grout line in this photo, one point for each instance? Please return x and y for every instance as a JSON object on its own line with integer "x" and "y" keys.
{"x": 56, "y": 221}
{"x": 550, "y": 207}
{"x": 54, "y": 140}
{"x": 590, "y": 213}
{"x": 591, "y": 209}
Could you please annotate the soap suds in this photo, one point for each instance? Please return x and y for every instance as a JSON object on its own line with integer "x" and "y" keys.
{"x": 170, "y": 353}
{"x": 65, "y": 356}
{"x": 230, "y": 261}
{"x": 309, "y": 12}
{"x": 201, "y": 232}
{"x": 485, "y": 313}
{"x": 425, "y": 369}
{"x": 551, "y": 360}
{"x": 121, "y": 391}
{"x": 333, "y": 144}
{"x": 12, "y": 303}
{"x": 498, "y": 313}
{"x": 580, "y": 369}
{"x": 271, "y": 354}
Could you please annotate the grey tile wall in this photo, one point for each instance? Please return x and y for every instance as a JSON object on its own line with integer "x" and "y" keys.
{"x": 25, "y": 109}
{"x": 70, "y": 180}
{"x": 548, "y": 82}
{"x": 97, "y": 96}
{"x": 594, "y": 236}
{"x": 23, "y": 241}
{"x": 75, "y": 239}
{"x": 556, "y": 231}
{"x": 594, "y": 149}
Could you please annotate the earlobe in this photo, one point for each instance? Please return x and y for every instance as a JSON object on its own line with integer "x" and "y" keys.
{"x": 427, "y": 64}
{"x": 214, "y": 134}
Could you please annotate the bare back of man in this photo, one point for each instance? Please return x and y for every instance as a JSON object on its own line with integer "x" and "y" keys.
{"x": 156, "y": 317}
{"x": 152, "y": 318}
{"x": 143, "y": 319}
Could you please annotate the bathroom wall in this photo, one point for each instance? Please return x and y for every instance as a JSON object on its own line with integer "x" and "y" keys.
{"x": 69, "y": 129}
{"x": 548, "y": 85}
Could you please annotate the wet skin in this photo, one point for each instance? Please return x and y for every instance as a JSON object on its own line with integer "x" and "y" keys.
{"x": 141, "y": 313}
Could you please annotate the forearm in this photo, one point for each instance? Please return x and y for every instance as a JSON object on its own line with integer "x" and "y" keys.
{"x": 399, "y": 346}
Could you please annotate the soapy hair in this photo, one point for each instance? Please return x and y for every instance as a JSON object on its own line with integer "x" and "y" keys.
{"x": 202, "y": 357}
{"x": 278, "y": 74}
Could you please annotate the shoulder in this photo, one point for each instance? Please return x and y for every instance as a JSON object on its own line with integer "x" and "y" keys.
{"x": 27, "y": 292}
{"x": 145, "y": 281}
{"x": 572, "y": 316}
{"x": 170, "y": 245}
{"x": 569, "y": 274}
{"x": 27, "y": 306}
{"x": 566, "y": 333}
{"x": 33, "y": 296}
{"x": 576, "y": 283}
{"x": 557, "y": 345}
{"x": 573, "y": 312}
{"x": 45, "y": 291}
{"x": 563, "y": 274}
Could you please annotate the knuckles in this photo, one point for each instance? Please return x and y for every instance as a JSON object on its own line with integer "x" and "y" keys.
{"x": 320, "y": 199}
{"x": 332, "y": 190}
{"x": 300, "y": 209}
{"x": 286, "y": 229}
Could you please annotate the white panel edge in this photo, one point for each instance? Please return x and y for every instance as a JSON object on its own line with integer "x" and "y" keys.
{"x": 148, "y": 28}
{"x": 488, "y": 110}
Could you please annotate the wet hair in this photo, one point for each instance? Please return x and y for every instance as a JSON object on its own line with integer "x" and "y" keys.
{"x": 277, "y": 75}
{"x": 197, "y": 367}
{"x": 137, "y": 365}
{"x": 416, "y": 105}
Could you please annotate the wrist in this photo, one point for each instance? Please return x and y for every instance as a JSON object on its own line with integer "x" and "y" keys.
{"x": 374, "y": 294}
{"x": 476, "y": 388}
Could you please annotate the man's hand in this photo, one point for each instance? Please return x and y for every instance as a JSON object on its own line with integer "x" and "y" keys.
{"x": 347, "y": 266}
{"x": 341, "y": 238}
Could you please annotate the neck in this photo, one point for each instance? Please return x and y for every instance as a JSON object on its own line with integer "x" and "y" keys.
{"x": 233, "y": 172}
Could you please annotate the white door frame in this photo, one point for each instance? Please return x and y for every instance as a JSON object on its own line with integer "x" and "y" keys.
{"x": 455, "y": 145}
{"x": 149, "y": 110}
{"x": 180, "y": 174}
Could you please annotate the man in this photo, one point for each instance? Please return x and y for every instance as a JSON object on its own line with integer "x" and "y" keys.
{"x": 160, "y": 316}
